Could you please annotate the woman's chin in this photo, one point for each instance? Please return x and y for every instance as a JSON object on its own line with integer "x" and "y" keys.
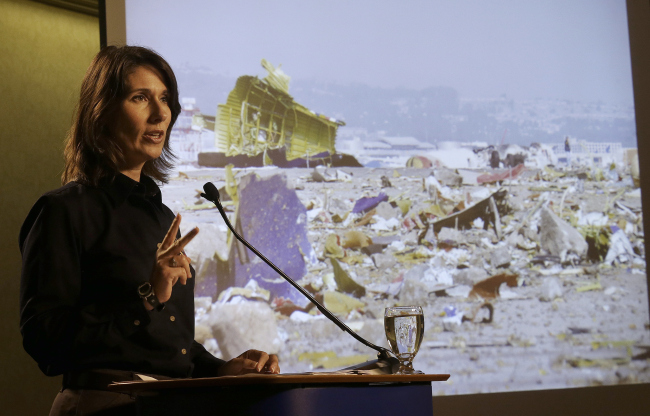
{"x": 139, "y": 162}
{"x": 152, "y": 153}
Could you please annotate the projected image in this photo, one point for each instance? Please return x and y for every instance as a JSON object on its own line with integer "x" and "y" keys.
{"x": 477, "y": 159}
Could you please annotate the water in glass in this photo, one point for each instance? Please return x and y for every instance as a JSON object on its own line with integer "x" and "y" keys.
{"x": 404, "y": 327}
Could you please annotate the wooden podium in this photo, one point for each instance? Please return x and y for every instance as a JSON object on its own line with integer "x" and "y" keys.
{"x": 318, "y": 394}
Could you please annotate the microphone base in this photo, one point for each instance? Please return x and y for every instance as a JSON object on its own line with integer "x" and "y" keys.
{"x": 382, "y": 365}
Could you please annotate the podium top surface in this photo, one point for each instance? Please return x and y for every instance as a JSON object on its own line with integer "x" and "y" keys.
{"x": 275, "y": 379}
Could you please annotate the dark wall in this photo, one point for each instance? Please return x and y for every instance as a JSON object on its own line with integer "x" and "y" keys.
{"x": 44, "y": 53}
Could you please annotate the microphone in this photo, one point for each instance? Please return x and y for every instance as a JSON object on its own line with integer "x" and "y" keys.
{"x": 212, "y": 194}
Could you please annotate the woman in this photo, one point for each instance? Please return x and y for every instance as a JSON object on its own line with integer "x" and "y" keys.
{"x": 106, "y": 289}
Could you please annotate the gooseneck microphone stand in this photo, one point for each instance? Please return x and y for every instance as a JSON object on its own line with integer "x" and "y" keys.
{"x": 212, "y": 194}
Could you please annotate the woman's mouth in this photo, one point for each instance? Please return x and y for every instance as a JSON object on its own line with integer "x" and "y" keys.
{"x": 155, "y": 136}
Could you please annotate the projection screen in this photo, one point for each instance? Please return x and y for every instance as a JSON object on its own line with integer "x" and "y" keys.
{"x": 476, "y": 158}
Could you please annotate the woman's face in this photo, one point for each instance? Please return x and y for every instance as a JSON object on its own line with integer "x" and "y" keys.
{"x": 142, "y": 118}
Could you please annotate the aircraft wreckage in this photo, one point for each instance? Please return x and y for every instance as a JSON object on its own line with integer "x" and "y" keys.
{"x": 262, "y": 125}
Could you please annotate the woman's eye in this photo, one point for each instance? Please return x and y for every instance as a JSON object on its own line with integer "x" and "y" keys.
{"x": 165, "y": 99}
{"x": 139, "y": 97}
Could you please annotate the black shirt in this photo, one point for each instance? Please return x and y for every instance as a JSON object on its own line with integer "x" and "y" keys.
{"x": 85, "y": 252}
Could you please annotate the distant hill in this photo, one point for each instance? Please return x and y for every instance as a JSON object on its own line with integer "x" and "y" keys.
{"x": 437, "y": 113}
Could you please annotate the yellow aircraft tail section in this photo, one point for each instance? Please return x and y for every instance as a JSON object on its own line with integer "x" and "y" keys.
{"x": 260, "y": 115}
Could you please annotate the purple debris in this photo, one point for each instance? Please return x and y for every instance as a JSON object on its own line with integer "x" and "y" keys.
{"x": 365, "y": 204}
{"x": 450, "y": 311}
{"x": 274, "y": 221}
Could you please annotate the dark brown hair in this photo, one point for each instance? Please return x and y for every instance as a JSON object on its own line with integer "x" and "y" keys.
{"x": 90, "y": 152}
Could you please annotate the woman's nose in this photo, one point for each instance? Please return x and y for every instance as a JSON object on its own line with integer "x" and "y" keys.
{"x": 160, "y": 112}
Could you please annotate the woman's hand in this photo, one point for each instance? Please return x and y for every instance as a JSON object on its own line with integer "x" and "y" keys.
{"x": 252, "y": 361}
{"x": 172, "y": 265}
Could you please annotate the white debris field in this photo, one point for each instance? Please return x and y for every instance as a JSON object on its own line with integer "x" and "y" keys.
{"x": 528, "y": 278}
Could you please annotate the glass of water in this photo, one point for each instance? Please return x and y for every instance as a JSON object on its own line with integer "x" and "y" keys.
{"x": 404, "y": 327}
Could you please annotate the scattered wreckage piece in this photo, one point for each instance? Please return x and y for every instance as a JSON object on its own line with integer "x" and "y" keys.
{"x": 322, "y": 174}
{"x": 611, "y": 202}
{"x": 549, "y": 188}
{"x": 340, "y": 303}
{"x": 238, "y": 326}
{"x": 511, "y": 173}
{"x": 620, "y": 249}
{"x": 551, "y": 289}
{"x": 421, "y": 279}
{"x": 366, "y": 204}
{"x": 210, "y": 243}
{"x": 490, "y": 287}
{"x": 344, "y": 282}
{"x": 589, "y": 287}
{"x": 529, "y": 214}
{"x": 355, "y": 240}
{"x": 559, "y": 238}
{"x": 489, "y": 212}
{"x": 469, "y": 177}
{"x": 513, "y": 160}
{"x": 500, "y": 257}
{"x": 598, "y": 240}
{"x": 419, "y": 162}
{"x": 383, "y": 290}
{"x": 365, "y": 220}
{"x": 448, "y": 177}
{"x": 578, "y": 362}
{"x": 283, "y": 239}
{"x": 497, "y": 218}
{"x": 371, "y": 249}
{"x": 452, "y": 319}
{"x": 387, "y": 211}
{"x": 286, "y": 307}
{"x": 251, "y": 291}
{"x": 333, "y": 247}
{"x": 495, "y": 159}
{"x": 477, "y": 314}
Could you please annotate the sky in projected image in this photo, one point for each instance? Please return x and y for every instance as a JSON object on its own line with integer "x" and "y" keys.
{"x": 576, "y": 50}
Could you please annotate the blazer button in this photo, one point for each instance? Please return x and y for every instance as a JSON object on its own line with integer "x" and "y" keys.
{"x": 184, "y": 351}
{"x": 172, "y": 318}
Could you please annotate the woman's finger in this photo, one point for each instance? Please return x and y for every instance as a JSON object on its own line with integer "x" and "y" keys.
{"x": 171, "y": 233}
{"x": 260, "y": 357}
{"x": 248, "y": 366}
{"x": 184, "y": 265}
{"x": 182, "y": 277}
{"x": 261, "y": 361}
{"x": 272, "y": 365}
{"x": 248, "y": 363}
{"x": 178, "y": 245}
{"x": 185, "y": 240}
{"x": 177, "y": 268}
